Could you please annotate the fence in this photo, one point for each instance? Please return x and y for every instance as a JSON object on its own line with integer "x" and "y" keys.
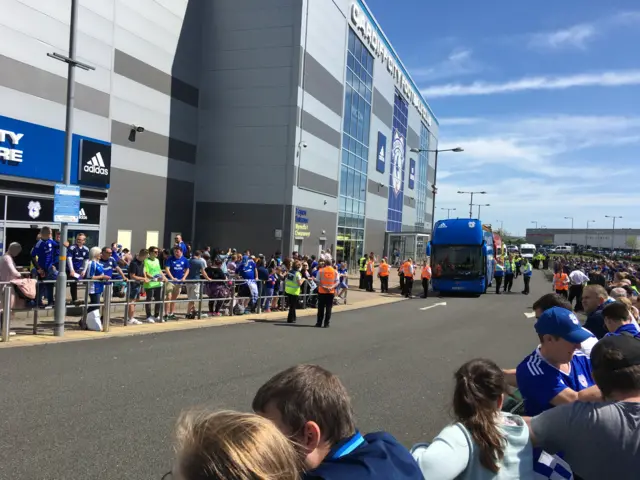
{"x": 240, "y": 294}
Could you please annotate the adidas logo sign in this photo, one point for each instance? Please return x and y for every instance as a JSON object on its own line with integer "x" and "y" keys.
{"x": 96, "y": 165}
{"x": 82, "y": 215}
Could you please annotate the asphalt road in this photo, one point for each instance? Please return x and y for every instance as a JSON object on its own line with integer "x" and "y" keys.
{"x": 105, "y": 409}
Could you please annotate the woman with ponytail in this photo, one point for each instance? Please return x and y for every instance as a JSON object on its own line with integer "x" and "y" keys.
{"x": 483, "y": 443}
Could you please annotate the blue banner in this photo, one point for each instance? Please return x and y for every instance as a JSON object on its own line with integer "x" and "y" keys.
{"x": 381, "y": 152}
{"x": 412, "y": 173}
{"x": 33, "y": 151}
{"x": 396, "y": 183}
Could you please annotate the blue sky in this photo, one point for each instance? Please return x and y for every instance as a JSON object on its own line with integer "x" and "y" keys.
{"x": 544, "y": 97}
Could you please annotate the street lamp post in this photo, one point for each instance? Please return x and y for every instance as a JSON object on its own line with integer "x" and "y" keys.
{"x": 586, "y": 232}
{"x": 483, "y": 205}
{"x": 613, "y": 229}
{"x": 72, "y": 64}
{"x": 435, "y": 175}
{"x": 449, "y": 210}
{"x": 501, "y": 225}
{"x": 534, "y": 221}
{"x": 471, "y": 201}
{"x": 570, "y": 218}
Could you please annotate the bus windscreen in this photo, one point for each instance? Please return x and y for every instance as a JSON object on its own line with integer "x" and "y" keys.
{"x": 458, "y": 261}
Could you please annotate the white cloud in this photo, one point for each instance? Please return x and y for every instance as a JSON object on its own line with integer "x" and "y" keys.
{"x": 459, "y": 62}
{"x": 602, "y": 79}
{"x": 576, "y": 36}
{"x": 455, "y": 121}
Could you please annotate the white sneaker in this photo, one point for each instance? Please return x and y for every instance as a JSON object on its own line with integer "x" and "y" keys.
{"x": 204, "y": 315}
{"x": 12, "y": 334}
{"x": 134, "y": 321}
{"x": 150, "y": 320}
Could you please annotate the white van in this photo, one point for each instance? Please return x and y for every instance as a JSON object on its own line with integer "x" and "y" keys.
{"x": 527, "y": 250}
{"x": 563, "y": 250}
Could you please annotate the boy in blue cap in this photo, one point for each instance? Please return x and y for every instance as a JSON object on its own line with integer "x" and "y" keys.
{"x": 557, "y": 371}
{"x": 311, "y": 406}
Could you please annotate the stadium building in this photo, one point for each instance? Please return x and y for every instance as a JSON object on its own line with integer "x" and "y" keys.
{"x": 594, "y": 238}
{"x": 262, "y": 124}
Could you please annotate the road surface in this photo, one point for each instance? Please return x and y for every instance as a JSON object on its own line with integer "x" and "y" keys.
{"x": 105, "y": 409}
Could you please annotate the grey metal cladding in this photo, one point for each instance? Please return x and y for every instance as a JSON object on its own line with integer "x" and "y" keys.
{"x": 323, "y": 86}
{"x": 321, "y": 130}
{"x": 382, "y": 108}
{"x": 376, "y": 188}
{"x": 317, "y": 183}
{"x": 155, "y": 143}
{"x": 143, "y": 73}
{"x": 40, "y": 83}
{"x": 413, "y": 140}
{"x": 409, "y": 201}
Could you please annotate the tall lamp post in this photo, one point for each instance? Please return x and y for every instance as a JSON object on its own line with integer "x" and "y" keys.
{"x": 570, "y": 218}
{"x": 586, "y": 232}
{"x": 471, "y": 201}
{"x": 480, "y": 206}
{"x": 534, "y": 221}
{"x": 613, "y": 229}
{"x": 435, "y": 175}
{"x": 501, "y": 225}
{"x": 449, "y": 210}
{"x": 72, "y": 64}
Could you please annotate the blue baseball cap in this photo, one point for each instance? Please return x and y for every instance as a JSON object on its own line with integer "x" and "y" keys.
{"x": 562, "y": 323}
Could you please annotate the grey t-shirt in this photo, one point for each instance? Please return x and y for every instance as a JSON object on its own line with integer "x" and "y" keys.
{"x": 196, "y": 266}
{"x": 599, "y": 440}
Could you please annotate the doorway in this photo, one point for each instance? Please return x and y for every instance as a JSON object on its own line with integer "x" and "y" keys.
{"x": 298, "y": 246}
{"x": 27, "y": 238}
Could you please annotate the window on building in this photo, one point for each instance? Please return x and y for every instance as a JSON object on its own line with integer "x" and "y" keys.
{"x": 421, "y": 180}
{"x": 397, "y": 170}
{"x": 355, "y": 151}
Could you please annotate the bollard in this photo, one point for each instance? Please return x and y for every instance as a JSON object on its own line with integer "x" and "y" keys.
{"x": 162, "y": 295}
{"x": 6, "y": 312}
{"x": 201, "y": 287}
{"x": 35, "y": 310}
{"x": 85, "y": 308}
{"x": 127, "y": 303}
{"x": 108, "y": 291}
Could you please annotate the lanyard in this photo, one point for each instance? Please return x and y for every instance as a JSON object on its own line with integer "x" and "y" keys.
{"x": 350, "y": 446}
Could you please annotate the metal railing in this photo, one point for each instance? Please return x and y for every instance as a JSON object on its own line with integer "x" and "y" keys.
{"x": 241, "y": 296}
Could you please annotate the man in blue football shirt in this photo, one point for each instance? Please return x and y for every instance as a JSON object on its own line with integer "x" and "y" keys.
{"x": 177, "y": 270}
{"x": 43, "y": 256}
{"x": 619, "y": 321}
{"x": 181, "y": 244}
{"x": 77, "y": 258}
{"x": 110, "y": 267}
{"x": 249, "y": 272}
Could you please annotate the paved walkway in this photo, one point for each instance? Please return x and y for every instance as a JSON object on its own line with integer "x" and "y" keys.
{"x": 23, "y": 324}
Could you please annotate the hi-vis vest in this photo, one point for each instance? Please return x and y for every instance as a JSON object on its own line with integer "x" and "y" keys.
{"x": 559, "y": 281}
{"x": 499, "y": 270}
{"x": 384, "y": 269}
{"x": 407, "y": 270}
{"x": 291, "y": 285}
{"x": 527, "y": 270}
{"x": 511, "y": 265}
{"x": 370, "y": 267}
{"x": 426, "y": 272}
{"x": 327, "y": 280}
{"x": 363, "y": 264}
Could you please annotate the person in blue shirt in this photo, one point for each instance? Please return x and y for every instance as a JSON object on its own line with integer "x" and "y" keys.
{"x": 557, "y": 372}
{"x": 269, "y": 288}
{"x": 182, "y": 245}
{"x": 177, "y": 269}
{"x": 248, "y": 270}
{"x": 95, "y": 272}
{"x": 77, "y": 258}
{"x": 43, "y": 256}
{"x": 109, "y": 265}
{"x": 312, "y": 407}
{"x": 618, "y": 320}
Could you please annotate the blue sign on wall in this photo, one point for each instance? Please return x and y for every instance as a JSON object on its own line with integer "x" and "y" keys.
{"x": 412, "y": 173}
{"x": 381, "y": 152}
{"x": 33, "y": 151}
{"x": 66, "y": 204}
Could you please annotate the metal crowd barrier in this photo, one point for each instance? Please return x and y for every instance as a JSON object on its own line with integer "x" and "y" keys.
{"x": 307, "y": 298}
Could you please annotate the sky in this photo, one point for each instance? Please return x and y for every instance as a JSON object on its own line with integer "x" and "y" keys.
{"x": 544, "y": 97}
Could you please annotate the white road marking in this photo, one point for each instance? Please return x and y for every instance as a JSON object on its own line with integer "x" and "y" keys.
{"x": 529, "y": 314}
{"x": 441, "y": 304}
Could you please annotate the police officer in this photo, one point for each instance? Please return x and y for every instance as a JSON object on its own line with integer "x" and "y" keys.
{"x": 509, "y": 269}
{"x": 77, "y": 257}
{"x": 292, "y": 289}
{"x": 328, "y": 280}
{"x": 527, "y": 272}
{"x": 498, "y": 273}
{"x": 363, "y": 271}
{"x": 407, "y": 273}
